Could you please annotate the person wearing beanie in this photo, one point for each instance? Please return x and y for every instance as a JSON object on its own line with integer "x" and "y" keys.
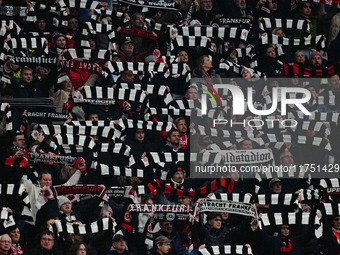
{"x": 177, "y": 176}
{"x": 58, "y": 45}
{"x": 66, "y": 213}
{"x": 315, "y": 59}
{"x": 177, "y": 179}
{"x": 59, "y": 40}
{"x": 247, "y": 73}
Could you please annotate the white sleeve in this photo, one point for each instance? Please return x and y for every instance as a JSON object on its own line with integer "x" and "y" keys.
{"x": 74, "y": 179}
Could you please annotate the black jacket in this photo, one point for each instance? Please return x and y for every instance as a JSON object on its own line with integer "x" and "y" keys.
{"x": 210, "y": 236}
{"x": 330, "y": 243}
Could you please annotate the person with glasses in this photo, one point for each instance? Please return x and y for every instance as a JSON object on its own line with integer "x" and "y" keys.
{"x": 46, "y": 245}
{"x": 5, "y": 245}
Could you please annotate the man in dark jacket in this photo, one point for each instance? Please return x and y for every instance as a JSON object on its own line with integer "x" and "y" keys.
{"x": 139, "y": 145}
{"x": 167, "y": 230}
{"x": 235, "y": 9}
{"x": 212, "y": 233}
{"x": 119, "y": 246}
{"x": 46, "y": 245}
{"x": 331, "y": 237}
{"x": 27, "y": 87}
{"x": 271, "y": 64}
{"x": 207, "y": 12}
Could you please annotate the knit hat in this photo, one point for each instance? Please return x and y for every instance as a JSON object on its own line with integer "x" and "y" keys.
{"x": 313, "y": 54}
{"x": 109, "y": 209}
{"x": 175, "y": 169}
{"x": 56, "y": 35}
{"x": 149, "y": 58}
{"x": 62, "y": 200}
{"x": 249, "y": 70}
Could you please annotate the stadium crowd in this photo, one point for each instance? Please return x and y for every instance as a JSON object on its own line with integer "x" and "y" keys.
{"x": 102, "y": 127}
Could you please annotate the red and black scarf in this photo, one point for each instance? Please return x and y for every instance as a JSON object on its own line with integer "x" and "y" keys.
{"x": 156, "y": 186}
{"x": 300, "y": 70}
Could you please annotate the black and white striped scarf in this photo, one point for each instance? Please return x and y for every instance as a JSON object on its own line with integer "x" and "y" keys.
{"x": 225, "y": 249}
{"x": 271, "y": 23}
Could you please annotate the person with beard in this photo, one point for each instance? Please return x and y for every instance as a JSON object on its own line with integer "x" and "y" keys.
{"x": 177, "y": 179}
{"x": 315, "y": 60}
{"x": 333, "y": 89}
{"x": 173, "y": 142}
{"x": 13, "y": 174}
{"x": 182, "y": 127}
{"x": 59, "y": 44}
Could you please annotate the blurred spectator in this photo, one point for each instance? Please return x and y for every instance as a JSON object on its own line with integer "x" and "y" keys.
{"x": 5, "y": 245}
{"x": 46, "y": 245}
{"x": 162, "y": 245}
{"x": 17, "y": 246}
{"x": 167, "y": 230}
{"x": 119, "y": 246}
